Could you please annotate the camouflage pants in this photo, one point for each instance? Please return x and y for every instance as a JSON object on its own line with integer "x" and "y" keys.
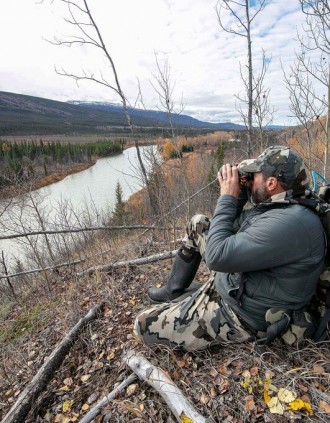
{"x": 198, "y": 321}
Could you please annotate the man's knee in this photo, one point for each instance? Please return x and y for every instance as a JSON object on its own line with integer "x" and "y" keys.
{"x": 148, "y": 327}
{"x": 198, "y": 225}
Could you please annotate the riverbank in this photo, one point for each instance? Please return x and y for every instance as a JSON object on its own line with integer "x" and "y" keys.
{"x": 56, "y": 175}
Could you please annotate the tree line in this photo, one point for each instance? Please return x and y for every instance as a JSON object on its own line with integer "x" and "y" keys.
{"x": 22, "y": 161}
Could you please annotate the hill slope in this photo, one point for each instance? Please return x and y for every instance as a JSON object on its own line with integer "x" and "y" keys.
{"x": 28, "y": 115}
{"x": 158, "y": 117}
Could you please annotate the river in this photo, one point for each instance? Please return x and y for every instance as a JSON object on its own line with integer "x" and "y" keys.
{"x": 89, "y": 194}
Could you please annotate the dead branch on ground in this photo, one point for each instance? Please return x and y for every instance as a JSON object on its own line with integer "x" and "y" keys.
{"x": 135, "y": 262}
{"x": 86, "y": 229}
{"x": 105, "y": 400}
{"x": 179, "y": 405}
{"x": 29, "y": 272}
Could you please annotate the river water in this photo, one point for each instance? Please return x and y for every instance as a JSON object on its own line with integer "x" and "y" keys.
{"x": 88, "y": 193}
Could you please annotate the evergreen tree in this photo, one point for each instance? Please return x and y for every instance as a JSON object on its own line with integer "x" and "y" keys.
{"x": 119, "y": 212}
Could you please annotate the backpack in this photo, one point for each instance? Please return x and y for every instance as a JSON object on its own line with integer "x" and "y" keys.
{"x": 320, "y": 304}
{"x": 312, "y": 322}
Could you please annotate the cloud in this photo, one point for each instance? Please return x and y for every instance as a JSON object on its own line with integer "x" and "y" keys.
{"x": 205, "y": 61}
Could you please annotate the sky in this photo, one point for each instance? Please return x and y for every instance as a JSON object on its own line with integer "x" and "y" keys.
{"x": 204, "y": 60}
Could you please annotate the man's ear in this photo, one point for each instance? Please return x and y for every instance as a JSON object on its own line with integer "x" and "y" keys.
{"x": 272, "y": 184}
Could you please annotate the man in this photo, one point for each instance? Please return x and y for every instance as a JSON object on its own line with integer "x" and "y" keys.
{"x": 266, "y": 255}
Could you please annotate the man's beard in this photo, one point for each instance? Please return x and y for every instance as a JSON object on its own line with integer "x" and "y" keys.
{"x": 260, "y": 194}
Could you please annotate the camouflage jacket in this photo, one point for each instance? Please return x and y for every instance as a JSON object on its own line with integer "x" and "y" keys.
{"x": 277, "y": 247}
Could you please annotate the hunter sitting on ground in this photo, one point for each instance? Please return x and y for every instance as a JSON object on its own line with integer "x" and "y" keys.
{"x": 266, "y": 254}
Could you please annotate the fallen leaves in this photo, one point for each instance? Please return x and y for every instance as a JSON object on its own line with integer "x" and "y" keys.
{"x": 204, "y": 399}
{"x": 185, "y": 419}
{"x": 85, "y": 378}
{"x": 278, "y": 400}
{"x": 285, "y": 400}
{"x": 324, "y": 407}
{"x": 249, "y": 403}
{"x": 286, "y": 396}
{"x": 66, "y": 406}
{"x": 131, "y": 389}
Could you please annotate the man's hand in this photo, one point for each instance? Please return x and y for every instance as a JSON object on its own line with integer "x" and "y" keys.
{"x": 229, "y": 180}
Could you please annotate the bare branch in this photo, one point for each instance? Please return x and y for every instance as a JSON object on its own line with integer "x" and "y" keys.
{"x": 93, "y": 412}
{"x": 86, "y": 229}
{"x": 135, "y": 262}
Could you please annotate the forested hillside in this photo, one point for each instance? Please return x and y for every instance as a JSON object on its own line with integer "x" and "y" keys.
{"x": 27, "y": 115}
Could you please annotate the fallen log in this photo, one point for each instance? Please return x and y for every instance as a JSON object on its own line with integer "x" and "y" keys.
{"x": 76, "y": 230}
{"x": 135, "y": 262}
{"x": 180, "y": 406}
{"x": 93, "y": 412}
{"x": 24, "y": 402}
{"x": 29, "y": 272}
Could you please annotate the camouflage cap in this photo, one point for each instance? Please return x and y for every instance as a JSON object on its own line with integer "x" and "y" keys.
{"x": 282, "y": 162}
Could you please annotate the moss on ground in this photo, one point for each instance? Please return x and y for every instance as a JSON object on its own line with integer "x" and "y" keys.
{"x": 29, "y": 321}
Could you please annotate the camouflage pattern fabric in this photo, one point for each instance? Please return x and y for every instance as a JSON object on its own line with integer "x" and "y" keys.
{"x": 300, "y": 327}
{"x": 195, "y": 323}
{"x": 196, "y": 232}
{"x": 283, "y": 163}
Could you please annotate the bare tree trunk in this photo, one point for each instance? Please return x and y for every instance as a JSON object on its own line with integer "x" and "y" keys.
{"x": 22, "y": 406}
{"x": 240, "y": 11}
{"x": 327, "y": 134}
{"x": 11, "y": 288}
{"x": 250, "y": 76}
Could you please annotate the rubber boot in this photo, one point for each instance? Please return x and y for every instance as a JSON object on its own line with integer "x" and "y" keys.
{"x": 182, "y": 274}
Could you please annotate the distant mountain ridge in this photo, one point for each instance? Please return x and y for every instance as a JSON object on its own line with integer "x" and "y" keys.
{"x": 159, "y": 116}
{"x": 28, "y": 115}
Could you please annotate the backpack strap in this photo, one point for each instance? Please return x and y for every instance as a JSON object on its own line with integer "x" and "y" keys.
{"x": 322, "y": 328}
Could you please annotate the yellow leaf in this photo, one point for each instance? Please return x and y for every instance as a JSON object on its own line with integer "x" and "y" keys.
{"x": 85, "y": 407}
{"x": 295, "y": 405}
{"x": 275, "y": 406}
{"x": 185, "y": 419}
{"x": 267, "y": 397}
{"x": 84, "y": 378}
{"x": 299, "y": 404}
{"x": 64, "y": 388}
{"x": 245, "y": 385}
{"x": 131, "y": 388}
{"x": 286, "y": 396}
{"x": 67, "y": 405}
{"x": 141, "y": 407}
